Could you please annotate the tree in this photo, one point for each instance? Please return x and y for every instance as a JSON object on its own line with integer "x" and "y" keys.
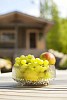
{"x": 63, "y": 35}
{"x": 53, "y": 35}
{"x": 57, "y": 37}
{"x": 45, "y": 8}
{"x": 49, "y": 8}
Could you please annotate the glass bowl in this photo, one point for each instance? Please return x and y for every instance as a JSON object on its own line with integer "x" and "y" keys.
{"x": 42, "y": 79}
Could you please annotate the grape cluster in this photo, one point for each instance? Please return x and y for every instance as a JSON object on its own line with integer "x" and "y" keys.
{"x": 31, "y": 68}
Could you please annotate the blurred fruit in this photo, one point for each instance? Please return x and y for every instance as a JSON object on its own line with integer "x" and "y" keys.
{"x": 4, "y": 63}
{"x": 48, "y": 56}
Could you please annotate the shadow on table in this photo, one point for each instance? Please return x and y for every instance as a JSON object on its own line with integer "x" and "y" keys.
{"x": 52, "y": 85}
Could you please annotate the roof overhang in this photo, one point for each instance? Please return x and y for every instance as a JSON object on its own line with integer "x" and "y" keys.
{"x": 18, "y": 18}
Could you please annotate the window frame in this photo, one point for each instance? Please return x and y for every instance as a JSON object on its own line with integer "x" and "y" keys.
{"x": 7, "y": 32}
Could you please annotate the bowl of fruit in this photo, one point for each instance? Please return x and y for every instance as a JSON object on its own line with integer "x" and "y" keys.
{"x": 31, "y": 71}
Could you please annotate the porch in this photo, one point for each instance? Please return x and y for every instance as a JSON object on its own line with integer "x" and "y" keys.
{"x": 17, "y": 52}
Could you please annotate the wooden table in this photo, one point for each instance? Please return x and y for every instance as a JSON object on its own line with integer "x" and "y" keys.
{"x": 56, "y": 90}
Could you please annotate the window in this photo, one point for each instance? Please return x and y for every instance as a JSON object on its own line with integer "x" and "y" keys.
{"x": 32, "y": 40}
{"x": 7, "y": 40}
{"x": 7, "y": 37}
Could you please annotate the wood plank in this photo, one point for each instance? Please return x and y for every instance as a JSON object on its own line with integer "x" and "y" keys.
{"x": 32, "y": 96}
{"x": 10, "y": 90}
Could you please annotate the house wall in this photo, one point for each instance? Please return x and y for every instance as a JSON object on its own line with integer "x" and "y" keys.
{"x": 23, "y": 42}
{"x": 41, "y": 42}
{"x": 24, "y": 37}
{"x": 21, "y": 38}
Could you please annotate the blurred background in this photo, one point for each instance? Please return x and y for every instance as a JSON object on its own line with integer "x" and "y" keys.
{"x": 33, "y": 27}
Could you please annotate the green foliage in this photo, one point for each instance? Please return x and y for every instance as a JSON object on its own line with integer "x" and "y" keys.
{"x": 63, "y": 35}
{"x": 46, "y": 8}
{"x": 57, "y": 37}
{"x": 53, "y": 36}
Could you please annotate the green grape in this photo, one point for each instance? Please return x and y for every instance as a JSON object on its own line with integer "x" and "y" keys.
{"x": 24, "y": 67}
{"x": 31, "y": 68}
{"x": 40, "y": 75}
{"x": 17, "y": 60}
{"x": 47, "y": 75}
{"x": 30, "y": 56}
{"x": 30, "y": 65}
{"x": 34, "y": 65}
{"x": 39, "y": 61}
{"x": 28, "y": 60}
{"x": 30, "y": 75}
{"x": 38, "y": 68}
{"x": 32, "y": 60}
{"x": 23, "y": 62}
{"x": 43, "y": 69}
{"x": 46, "y": 67}
{"x": 22, "y": 57}
{"x": 16, "y": 65}
{"x": 46, "y": 62}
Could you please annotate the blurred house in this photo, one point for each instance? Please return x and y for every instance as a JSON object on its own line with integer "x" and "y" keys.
{"x": 22, "y": 34}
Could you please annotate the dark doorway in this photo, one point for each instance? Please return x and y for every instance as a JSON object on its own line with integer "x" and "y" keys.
{"x": 32, "y": 40}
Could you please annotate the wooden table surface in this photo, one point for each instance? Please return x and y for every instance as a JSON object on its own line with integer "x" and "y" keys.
{"x": 56, "y": 90}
